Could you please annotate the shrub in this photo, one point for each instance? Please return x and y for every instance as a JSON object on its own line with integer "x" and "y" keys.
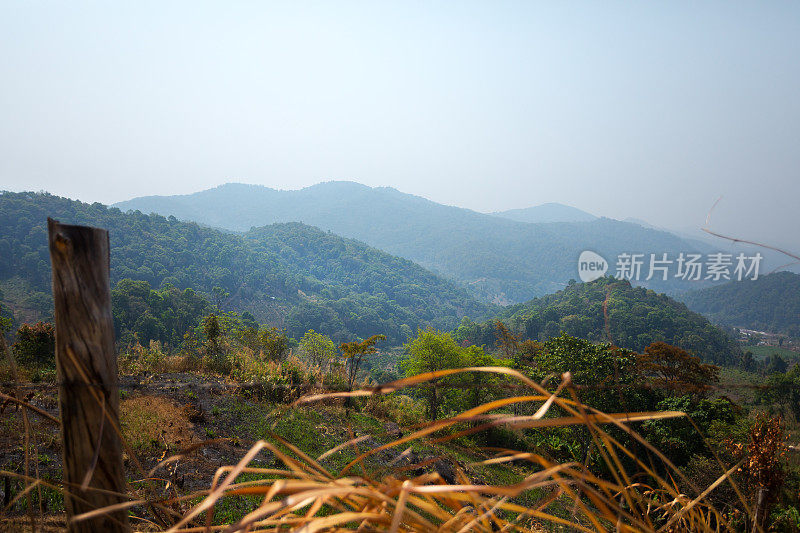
{"x": 154, "y": 422}
{"x": 247, "y": 366}
{"x": 400, "y": 408}
{"x": 36, "y": 344}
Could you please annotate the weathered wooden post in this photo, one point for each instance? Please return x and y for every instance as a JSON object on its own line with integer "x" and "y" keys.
{"x": 86, "y": 364}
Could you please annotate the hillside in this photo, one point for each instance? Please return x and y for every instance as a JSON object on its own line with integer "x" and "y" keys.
{"x": 288, "y": 275}
{"x": 637, "y": 317}
{"x": 770, "y": 303}
{"x": 549, "y": 212}
{"x": 500, "y": 260}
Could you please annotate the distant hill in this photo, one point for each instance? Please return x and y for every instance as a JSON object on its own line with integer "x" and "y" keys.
{"x": 498, "y": 259}
{"x": 549, "y": 212}
{"x": 770, "y": 303}
{"x": 637, "y": 317}
{"x": 289, "y": 275}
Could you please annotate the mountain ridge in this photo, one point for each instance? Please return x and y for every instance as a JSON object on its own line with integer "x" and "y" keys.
{"x": 546, "y": 212}
{"x": 498, "y": 259}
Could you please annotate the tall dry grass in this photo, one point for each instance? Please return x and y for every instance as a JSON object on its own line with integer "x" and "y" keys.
{"x": 631, "y": 493}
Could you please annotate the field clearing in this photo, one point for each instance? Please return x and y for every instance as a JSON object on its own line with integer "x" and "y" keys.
{"x": 762, "y": 352}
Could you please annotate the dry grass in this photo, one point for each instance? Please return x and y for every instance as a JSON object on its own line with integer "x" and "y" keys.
{"x": 300, "y": 493}
{"x": 154, "y": 422}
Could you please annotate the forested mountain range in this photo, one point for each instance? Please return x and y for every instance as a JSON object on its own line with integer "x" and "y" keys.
{"x": 636, "y": 317}
{"x": 498, "y": 259}
{"x": 770, "y": 303}
{"x": 288, "y": 275}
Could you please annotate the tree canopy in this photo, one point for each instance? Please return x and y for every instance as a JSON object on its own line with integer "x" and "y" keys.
{"x": 610, "y": 310}
{"x": 291, "y": 276}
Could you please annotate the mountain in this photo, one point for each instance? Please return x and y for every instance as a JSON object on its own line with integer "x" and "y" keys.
{"x": 290, "y": 275}
{"x": 549, "y": 212}
{"x": 498, "y": 259}
{"x": 636, "y": 317}
{"x": 770, "y": 303}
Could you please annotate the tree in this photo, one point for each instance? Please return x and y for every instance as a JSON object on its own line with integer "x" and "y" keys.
{"x": 36, "y": 344}
{"x": 274, "y": 342}
{"x": 763, "y": 465}
{"x": 675, "y": 369}
{"x": 782, "y": 389}
{"x": 219, "y": 295}
{"x": 775, "y": 364}
{"x": 506, "y": 341}
{"x": 747, "y": 362}
{"x": 481, "y": 383}
{"x": 527, "y": 352}
{"x": 599, "y": 368}
{"x": 430, "y": 351}
{"x": 6, "y": 323}
{"x": 319, "y": 348}
{"x": 678, "y": 437}
{"x": 354, "y": 353}
{"x": 211, "y": 329}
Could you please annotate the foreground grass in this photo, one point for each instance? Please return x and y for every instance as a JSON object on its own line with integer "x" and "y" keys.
{"x": 322, "y": 465}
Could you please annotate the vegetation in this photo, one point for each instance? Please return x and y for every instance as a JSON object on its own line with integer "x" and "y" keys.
{"x": 781, "y": 393}
{"x": 291, "y": 276}
{"x": 500, "y": 260}
{"x": 355, "y": 352}
{"x": 481, "y": 416}
{"x": 35, "y": 344}
{"x": 435, "y": 351}
{"x": 594, "y": 408}
{"x": 144, "y": 314}
{"x": 318, "y": 348}
{"x": 608, "y": 309}
{"x": 770, "y": 303}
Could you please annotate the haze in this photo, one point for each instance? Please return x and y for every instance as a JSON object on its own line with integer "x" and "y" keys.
{"x": 642, "y": 110}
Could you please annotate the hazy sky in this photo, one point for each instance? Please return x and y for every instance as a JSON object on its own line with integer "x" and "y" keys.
{"x": 650, "y": 110}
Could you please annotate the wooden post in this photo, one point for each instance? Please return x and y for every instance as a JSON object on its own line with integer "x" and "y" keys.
{"x": 86, "y": 365}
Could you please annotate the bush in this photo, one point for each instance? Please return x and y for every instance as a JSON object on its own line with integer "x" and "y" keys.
{"x": 36, "y": 345}
{"x": 400, "y": 408}
{"x": 247, "y": 366}
{"x": 154, "y": 358}
{"x": 155, "y": 422}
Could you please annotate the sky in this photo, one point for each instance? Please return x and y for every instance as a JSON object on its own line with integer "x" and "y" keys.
{"x": 646, "y": 110}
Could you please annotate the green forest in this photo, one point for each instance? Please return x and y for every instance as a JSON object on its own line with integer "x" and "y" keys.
{"x": 168, "y": 274}
{"x": 611, "y": 310}
{"x": 291, "y": 276}
{"x": 770, "y": 303}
